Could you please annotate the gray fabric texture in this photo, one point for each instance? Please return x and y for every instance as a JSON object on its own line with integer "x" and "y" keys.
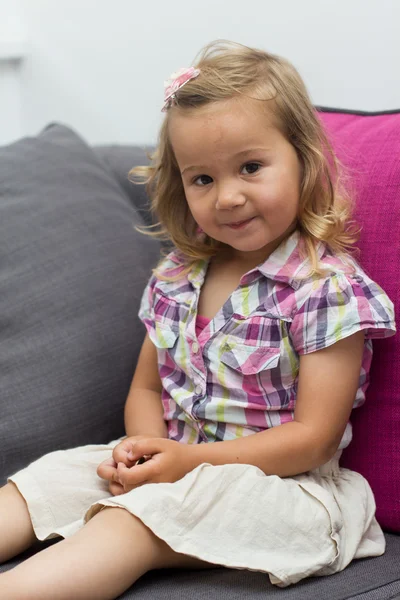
{"x": 386, "y": 592}
{"x": 72, "y": 271}
{"x": 368, "y": 579}
{"x": 120, "y": 160}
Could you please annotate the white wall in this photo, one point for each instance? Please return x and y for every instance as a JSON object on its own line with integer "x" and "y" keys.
{"x": 99, "y": 66}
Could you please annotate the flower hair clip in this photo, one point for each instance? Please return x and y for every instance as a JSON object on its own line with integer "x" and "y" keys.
{"x": 175, "y": 82}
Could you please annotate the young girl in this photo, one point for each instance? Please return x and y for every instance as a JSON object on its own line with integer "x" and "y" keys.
{"x": 259, "y": 328}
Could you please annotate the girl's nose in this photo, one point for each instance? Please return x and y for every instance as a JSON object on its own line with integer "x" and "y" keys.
{"x": 228, "y": 197}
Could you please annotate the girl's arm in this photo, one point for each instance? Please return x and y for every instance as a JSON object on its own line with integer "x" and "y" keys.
{"x": 328, "y": 382}
{"x": 143, "y": 408}
{"x": 143, "y": 415}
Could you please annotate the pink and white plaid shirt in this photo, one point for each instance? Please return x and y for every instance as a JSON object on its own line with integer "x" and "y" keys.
{"x": 240, "y": 375}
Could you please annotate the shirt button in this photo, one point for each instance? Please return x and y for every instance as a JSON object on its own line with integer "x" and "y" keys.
{"x": 195, "y": 347}
{"x": 198, "y": 389}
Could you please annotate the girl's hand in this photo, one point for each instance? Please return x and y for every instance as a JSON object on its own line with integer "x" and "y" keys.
{"x": 168, "y": 462}
{"x": 108, "y": 468}
{"x": 121, "y": 451}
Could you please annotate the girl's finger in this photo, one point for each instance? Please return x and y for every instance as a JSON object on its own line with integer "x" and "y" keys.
{"x": 135, "y": 475}
{"x": 107, "y": 469}
{"x": 120, "y": 452}
{"x": 144, "y": 448}
{"x": 116, "y": 489}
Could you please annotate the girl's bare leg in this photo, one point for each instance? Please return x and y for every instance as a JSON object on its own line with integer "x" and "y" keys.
{"x": 16, "y": 532}
{"x": 99, "y": 562}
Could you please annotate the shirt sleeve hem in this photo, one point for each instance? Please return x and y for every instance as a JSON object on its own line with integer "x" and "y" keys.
{"x": 376, "y": 330}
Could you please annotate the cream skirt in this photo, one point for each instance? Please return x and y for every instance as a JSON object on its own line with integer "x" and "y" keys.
{"x": 231, "y": 515}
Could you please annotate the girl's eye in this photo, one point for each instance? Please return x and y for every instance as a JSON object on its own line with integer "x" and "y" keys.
{"x": 251, "y": 167}
{"x": 202, "y": 180}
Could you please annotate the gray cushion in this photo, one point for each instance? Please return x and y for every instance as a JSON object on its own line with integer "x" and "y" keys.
{"x": 367, "y": 579}
{"x": 72, "y": 271}
{"x": 119, "y": 160}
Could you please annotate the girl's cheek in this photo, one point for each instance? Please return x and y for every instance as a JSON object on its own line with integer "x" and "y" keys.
{"x": 269, "y": 199}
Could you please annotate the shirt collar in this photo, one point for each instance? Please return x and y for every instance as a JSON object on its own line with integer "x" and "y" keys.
{"x": 195, "y": 276}
{"x": 288, "y": 262}
{"x": 285, "y": 264}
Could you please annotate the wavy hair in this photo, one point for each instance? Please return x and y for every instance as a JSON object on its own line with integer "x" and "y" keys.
{"x": 231, "y": 70}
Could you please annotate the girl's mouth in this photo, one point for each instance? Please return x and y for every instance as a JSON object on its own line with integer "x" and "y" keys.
{"x": 240, "y": 224}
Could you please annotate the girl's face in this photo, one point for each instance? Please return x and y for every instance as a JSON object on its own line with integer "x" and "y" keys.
{"x": 240, "y": 175}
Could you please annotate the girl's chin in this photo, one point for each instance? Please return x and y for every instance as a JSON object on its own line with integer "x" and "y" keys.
{"x": 257, "y": 251}
{"x": 251, "y": 247}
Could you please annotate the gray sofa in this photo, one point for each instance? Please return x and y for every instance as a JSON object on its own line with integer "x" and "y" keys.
{"x": 72, "y": 271}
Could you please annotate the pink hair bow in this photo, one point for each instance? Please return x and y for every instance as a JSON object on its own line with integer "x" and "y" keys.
{"x": 175, "y": 82}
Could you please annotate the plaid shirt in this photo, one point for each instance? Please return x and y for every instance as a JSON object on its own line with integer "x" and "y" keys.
{"x": 241, "y": 375}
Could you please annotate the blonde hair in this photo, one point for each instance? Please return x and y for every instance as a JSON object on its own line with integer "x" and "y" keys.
{"x": 229, "y": 70}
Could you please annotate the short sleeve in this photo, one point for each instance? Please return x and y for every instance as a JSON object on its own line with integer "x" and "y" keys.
{"x": 339, "y": 306}
{"x": 146, "y": 310}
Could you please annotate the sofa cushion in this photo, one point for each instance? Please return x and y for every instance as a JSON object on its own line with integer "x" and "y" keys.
{"x": 368, "y": 145}
{"x": 365, "y": 579}
{"x": 72, "y": 271}
{"x": 120, "y": 160}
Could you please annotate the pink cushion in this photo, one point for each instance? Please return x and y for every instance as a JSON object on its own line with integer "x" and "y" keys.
{"x": 370, "y": 147}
